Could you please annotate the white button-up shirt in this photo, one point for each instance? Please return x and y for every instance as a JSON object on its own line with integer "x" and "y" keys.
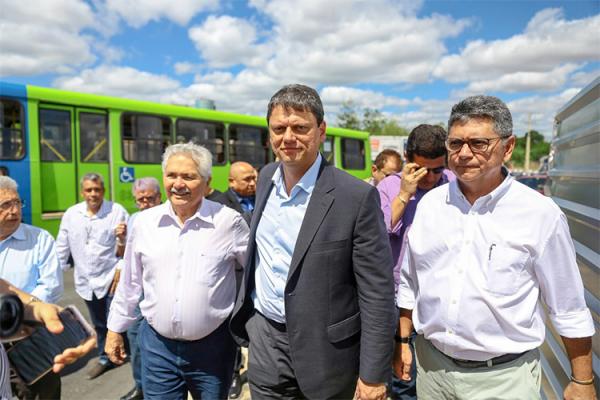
{"x": 186, "y": 273}
{"x": 91, "y": 241}
{"x": 474, "y": 275}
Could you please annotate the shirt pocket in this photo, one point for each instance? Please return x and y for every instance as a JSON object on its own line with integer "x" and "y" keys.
{"x": 506, "y": 267}
{"x": 106, "y": 237}
{"x": 210, "y": 268}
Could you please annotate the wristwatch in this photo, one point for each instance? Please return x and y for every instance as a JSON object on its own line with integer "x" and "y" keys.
{"x": 400, "y": 339}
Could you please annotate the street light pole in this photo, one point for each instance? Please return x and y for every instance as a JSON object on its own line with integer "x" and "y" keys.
{"x": 528, "y": 143}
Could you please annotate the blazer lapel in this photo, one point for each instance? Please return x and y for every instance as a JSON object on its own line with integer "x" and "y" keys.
{"x": 320, "y": 202}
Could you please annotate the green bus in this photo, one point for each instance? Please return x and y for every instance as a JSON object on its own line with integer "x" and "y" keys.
{"x": 50, "y": 138}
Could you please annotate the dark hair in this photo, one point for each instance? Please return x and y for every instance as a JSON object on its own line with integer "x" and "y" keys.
{"x": 483, "y": 107}
{"x": 297, "y": 97}
{"x": 385, "y": 155}
{"x": 426, "y": 141}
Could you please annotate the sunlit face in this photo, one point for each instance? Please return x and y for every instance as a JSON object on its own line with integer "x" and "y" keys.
{"x": 435, "y": 170}
{"x": 145, "y": 199}
{"x": 10, "y": 212}
{"x": 477, "y": 169}
{"x": 391, "y": 166}
{"x": 295, "y": 137}
{"x": 184, "y": 186}
{"x": 93, "y": 194}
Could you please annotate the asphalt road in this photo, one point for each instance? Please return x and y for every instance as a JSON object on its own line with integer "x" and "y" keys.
{"x": 112, "y": 384}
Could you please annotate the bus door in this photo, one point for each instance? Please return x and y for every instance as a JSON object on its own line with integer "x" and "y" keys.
{"x": 57, "y": 163}
{"x": 71, "y": 144}
{"x": 92, "y": 144}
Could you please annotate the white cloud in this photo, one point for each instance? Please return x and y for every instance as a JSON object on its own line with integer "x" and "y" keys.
{"x": 119, "y": 81}
{"x": 538, "y": 112}
{"x": 224, "y": 41}
{"x": 54, "y": 43}
{"x": 334, "y": 96}
{"x": 185, "y": 67}
{"x": 548, "y": 49}
{"x": 138, "y": 13}
{"x": 584, "y": 78}
{"x": 525, "y": 81}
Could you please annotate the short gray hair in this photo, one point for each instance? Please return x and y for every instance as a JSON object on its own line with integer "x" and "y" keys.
{"x": 8, "y": 183}
{"x": 297, "y": 97}
{"x": 199, "y": 154}
{"x": 147, "y": 183}
{"x": 92, "y": 176}
{"x": 481, "y": 106}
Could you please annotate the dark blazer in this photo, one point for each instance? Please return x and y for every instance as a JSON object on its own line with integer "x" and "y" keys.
{"x": 339, "y": 296}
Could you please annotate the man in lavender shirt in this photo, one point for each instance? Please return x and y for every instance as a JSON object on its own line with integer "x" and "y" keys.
{"x": 181, "y": 255}
{"x": 400, "y": 194}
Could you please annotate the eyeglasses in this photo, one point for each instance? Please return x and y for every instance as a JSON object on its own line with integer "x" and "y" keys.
{"x": 145, "y": 199}
{"x": 477, "y": 145}
{"x": 9, "y": 204}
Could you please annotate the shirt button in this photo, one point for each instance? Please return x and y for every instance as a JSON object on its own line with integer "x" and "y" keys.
{"x": 453, "y": 301}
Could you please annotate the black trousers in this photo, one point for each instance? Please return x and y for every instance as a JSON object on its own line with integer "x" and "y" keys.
{"x": 270, "y": 371}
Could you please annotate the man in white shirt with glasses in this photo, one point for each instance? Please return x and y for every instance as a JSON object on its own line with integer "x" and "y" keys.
{"x": 484, "y": 253}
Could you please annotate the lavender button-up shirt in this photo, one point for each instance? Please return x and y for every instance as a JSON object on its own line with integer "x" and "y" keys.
{"x": 185, "y": 272}
{"x": 388, "y": 189}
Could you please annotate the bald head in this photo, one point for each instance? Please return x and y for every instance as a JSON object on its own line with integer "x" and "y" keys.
{"x": 242, "y": 178}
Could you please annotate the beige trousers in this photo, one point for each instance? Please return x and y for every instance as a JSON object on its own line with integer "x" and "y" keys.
{"x": 440, "y": 378}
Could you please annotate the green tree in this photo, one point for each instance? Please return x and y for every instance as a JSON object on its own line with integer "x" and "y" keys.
{"x": 347, "y": 117}
{"x": 539, "y": 148}
{"x": 373, "y": 121}
{"x": 392, "y": 128}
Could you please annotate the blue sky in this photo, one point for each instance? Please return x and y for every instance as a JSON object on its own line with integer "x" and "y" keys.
{"x": 410, "y": 59}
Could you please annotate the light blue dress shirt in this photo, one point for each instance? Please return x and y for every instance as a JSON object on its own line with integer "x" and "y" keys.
{"x": 28, "y": 260}
{"x": 276, "y": 236}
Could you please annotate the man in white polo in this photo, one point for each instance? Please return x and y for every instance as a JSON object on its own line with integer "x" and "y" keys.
{"x": 474, "y": 285}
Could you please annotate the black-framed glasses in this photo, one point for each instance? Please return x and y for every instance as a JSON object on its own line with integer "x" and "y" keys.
{"x": 477, "y": 145}
{"x": 9, "y": 204}
{"x": 145, "y": 199}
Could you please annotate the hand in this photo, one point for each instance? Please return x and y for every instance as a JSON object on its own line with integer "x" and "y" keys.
{"x": 48, "y": 314}
{"x": 575, "y": 391}
{"x": 411, "y": 175}
{"x": 115, "y": 283}
{"x": 115, "y": 347}
{"x": 369, "y": 391}
{"x": 402, "y": 361}
{"x": 121, "y": 232}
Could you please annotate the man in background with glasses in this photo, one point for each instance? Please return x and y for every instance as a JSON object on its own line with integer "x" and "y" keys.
{"x": 28, "y": 259}
{"x": 146, "y": 192}
{"x": 400, "y": 193}
{"x": 482, "y": 253}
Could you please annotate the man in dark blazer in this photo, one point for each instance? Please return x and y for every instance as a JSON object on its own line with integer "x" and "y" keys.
{"x": 316, "y": 306}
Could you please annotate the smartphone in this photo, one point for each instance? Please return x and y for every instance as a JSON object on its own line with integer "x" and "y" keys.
{"x": 33, "y": 357}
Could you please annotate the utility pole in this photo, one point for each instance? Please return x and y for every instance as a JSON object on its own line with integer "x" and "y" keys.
{"x": 528, "y": 143}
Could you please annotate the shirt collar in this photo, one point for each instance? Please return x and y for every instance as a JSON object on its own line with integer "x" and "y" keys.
{"x": 18, "y": 234}
{"x": 489, "y": 199}
{"x": 204, "y": 212}
{"x": 104, "y": 208}
{"x": 306, "y": 183}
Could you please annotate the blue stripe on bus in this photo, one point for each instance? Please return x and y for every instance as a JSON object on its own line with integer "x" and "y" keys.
{"x": 20, "y": 170}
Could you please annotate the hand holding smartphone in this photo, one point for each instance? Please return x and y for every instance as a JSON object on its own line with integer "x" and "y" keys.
{"x": 34, "y": 356}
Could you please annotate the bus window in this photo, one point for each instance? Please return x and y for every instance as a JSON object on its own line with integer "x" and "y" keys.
{"x": 250, "y": 144}
{"x": 353, "y": 154}
{"x": 327, "y": 150}
{"x": 55, "y": 135}
{"x": 145, "y": 138}
{"x": 207, "y": 134}
{"x": 93, "y": 135}
{"x": 11, "y": 129}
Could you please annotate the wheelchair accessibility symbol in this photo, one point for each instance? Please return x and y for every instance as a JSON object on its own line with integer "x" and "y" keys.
{"x": 126, "y": 174}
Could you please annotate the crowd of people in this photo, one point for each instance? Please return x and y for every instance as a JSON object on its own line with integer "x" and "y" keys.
{"x": 429, "y": 280}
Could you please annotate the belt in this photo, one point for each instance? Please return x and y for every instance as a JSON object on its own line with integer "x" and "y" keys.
{"x": 503, "y": 359}
{"x": 281, "y": 327}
